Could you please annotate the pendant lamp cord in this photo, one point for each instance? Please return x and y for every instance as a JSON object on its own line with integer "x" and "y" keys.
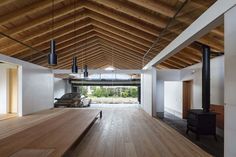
{"x": 75, "y": 26}
{"x": 52, "y": 27}
{"x": 112, "y": 63}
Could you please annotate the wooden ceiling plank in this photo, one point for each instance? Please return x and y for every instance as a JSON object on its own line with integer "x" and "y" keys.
{"x": 83, "y": 53}
{"x": 105, "y": 21}
{"x": 5, "y": 2}
{"x": 92, "y": 58}
{"x": 119, "y": 47}
{"x": 64, "y": 42}
{"x": 134, "y": 12}
{"x": 163, "y": 8}
{"x": 68, "y": 48}
{"x": 44, "y": 45}
{"x": 71, "y": 53}
{"x": 92, "y": 63}
{"x": 88, "y": 53}
{"x": 155, "y": 6}
{"x": 171, "y": 61}
{"x": 121, "y": 65}
{"x": 123, "y": 44}
{"x": 45, "y": 31}
{"x": 214, "y": 44}
{"x": 32, "y": 8}
{"x": 44, "y": 19}
{"x": 117, "y": 53}
{"x": 182, "y": 60}
{"x": 105, "y": 28}
{"x": 124, "y": 61}
{"x": 170, "y": 65}
{"x": 121, "y": 39}
{"x": 106, "y": 12}
{"x": 108, "y": 48}
{"x": 188, "y": 56}
{"x": 41, "y": 38}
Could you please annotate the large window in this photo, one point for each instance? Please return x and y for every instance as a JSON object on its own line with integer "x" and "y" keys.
{"x": 111, "y": 94}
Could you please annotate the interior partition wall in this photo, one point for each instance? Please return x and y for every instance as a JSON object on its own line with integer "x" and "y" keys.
{"x": 8, "y": 88}
{"x": 149, "y": 92}
{"x": 230, "y": 83}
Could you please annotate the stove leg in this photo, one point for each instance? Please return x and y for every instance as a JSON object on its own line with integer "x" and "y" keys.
{"x": 197, "y": 137}
{"x": 215, "y": 137}
{"x": 100, "y": 114}
{"x": 187, "y": 131}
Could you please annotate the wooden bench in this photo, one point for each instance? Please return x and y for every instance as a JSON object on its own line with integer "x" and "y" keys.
{"x": 51, "y": 138}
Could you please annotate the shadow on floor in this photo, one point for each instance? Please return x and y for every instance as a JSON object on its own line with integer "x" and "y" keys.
{"x": 207, "y": 143}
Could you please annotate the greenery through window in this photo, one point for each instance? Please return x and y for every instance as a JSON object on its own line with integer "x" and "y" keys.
{"x": 110, "y": 94}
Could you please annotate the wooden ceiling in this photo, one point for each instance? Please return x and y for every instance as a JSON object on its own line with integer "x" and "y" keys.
{"x": 102, "y": 32}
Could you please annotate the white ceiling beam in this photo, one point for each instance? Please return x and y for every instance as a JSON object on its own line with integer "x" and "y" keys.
{"x": 99, "y": 71}
{"x": 210, "y": 19}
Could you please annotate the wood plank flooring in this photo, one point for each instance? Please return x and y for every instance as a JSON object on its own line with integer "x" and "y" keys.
{"x": 133, "y": 133}
{"x": 17, "y": 124}
{"x": 51, "y": 138}
{"x": 120, "y": 133}
{"x": 7, "y": 116}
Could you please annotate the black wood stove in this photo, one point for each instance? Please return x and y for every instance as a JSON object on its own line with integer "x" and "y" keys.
{"x": 202, "y": 121}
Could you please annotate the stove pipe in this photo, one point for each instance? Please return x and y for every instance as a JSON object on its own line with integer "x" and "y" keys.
{"x": 206, "y": 78}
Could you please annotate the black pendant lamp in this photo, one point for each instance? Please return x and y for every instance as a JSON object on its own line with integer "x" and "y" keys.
{"x": 52, "y": 57}
{"x": 85, "y": 71}
{"x": 74, "y": 67}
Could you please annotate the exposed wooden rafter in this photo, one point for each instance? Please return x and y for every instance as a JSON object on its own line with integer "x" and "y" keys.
{"x": 124, "y": 28}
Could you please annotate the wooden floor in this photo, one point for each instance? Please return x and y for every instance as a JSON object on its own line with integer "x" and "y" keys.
{"x": 16, "y": 124}
{"x": 133, "y": 133}
{"x": 120, "y": 133}
{"x": 50, "y": 138}
{"x": 7, "y": 116}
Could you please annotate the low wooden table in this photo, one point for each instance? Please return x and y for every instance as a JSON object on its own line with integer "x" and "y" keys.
{"x": 51, "y": 138}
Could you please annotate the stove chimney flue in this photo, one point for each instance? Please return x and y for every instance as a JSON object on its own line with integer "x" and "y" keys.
{"x": 206, "y": 51}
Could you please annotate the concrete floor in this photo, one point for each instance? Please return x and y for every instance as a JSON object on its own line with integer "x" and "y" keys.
{"x": 207, "y": 143}
{"x": 114, "y": 105}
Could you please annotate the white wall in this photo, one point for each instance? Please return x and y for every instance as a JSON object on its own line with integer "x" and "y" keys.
{"x": 193, "y": 73}
{"x": 160, "y": 98}
{"x": 4, "y": 101}
{"x": 173, "y": 97}
{"x": 230, "y": 84}
{"x": 168, "y": 75}
{"x": 35, "y": 86}
{"x": 60, "y": 87}
{"x": 217, "y": 81}
{"x": 148, "y": 91}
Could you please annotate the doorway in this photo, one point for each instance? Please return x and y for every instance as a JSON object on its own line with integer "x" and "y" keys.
{"x": 8, "y": 90}
{"x": 187, "y": 97}
{"x": 13, "y": 91}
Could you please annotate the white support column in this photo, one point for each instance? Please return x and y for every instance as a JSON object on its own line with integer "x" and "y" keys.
{"x": 160, "y": 99}
{"x": 4, "y": 90}
{"x": 230, "y": 84}
{"x": 149, "y": 91}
